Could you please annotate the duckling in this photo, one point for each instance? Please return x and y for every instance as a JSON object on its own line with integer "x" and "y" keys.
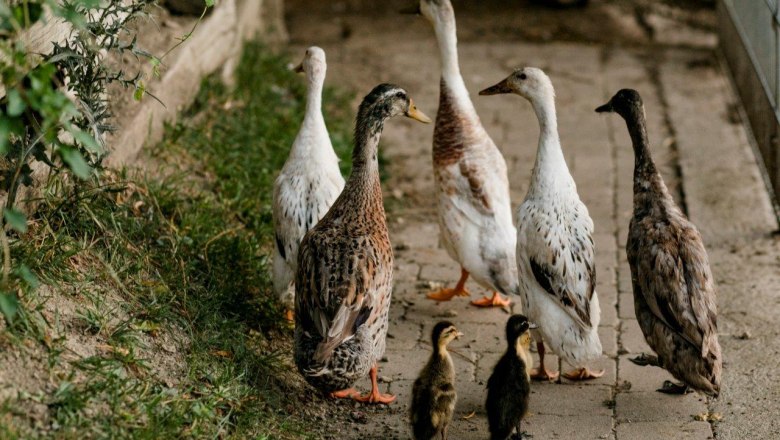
{"x": 308, "y": 184}
{"x": 343, "y": 282}
{"x": 555, "y": 250}
{"x": 472, "y": 189}
{"x": 510, "y": 384}
{"x": 674, "y": 292}
{"x": 433, "y": 393}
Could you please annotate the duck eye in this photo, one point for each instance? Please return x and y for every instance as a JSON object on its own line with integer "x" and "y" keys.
{"x": 523, "y": 76}
{"x": 399, "y": 94}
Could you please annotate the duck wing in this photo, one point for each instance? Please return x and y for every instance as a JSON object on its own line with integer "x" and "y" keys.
{"x": 336, "y": 284}
{"x": 673, "y": 276}
{"x": 478, "y": 184}
{"x": 561, "y": 253}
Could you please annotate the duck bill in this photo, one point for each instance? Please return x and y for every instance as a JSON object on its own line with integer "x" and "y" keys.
{"x": 458, "y": 335}
{"x": 606, "y": 108}
{"x": 298, "y": 68}
{"x": 416, "y": 114}
{"x": 411, "y": 10}
{"x": 532, "y": 325}
{"x": 502, "y": 87}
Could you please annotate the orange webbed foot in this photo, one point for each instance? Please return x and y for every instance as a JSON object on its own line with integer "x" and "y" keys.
{"x": 544, "y": 374}
{"x": 496, "y": 301}
{"x": 447, "y": 294}
{"x": 344, "y": 394}
{"x": 375, "y": 397}
{"x": 583, "y": 374}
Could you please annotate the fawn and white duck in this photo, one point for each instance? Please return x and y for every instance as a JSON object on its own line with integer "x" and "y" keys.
{"x": 472, "y": 189}
{"x": 307, "y": 185}
{"x": 555, "y": 250}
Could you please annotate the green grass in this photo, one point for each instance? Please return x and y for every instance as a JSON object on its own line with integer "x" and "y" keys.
{"x": 180, "y": 261}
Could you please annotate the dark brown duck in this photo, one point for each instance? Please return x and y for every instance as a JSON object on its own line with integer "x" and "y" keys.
{"x": 674, "y": 293}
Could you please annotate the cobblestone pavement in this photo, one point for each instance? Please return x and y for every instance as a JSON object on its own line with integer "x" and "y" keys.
{"x": 703, "y": 152}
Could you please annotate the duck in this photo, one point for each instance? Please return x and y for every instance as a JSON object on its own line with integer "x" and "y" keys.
{"x": 674, "y": 291}
{"x": 343, "y": 281}
{"x": 472, "y": 188}
{"x": 308, "y": 184}
{"x": 509, "y": 386}
{"x": 433, "y": 393}
{"x": 555, "y": 249}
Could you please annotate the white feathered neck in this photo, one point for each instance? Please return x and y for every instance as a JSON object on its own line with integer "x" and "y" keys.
{"x": 313, "y": 140}
{"x": 550, "y": 169}
{"x": 446, "y": 36}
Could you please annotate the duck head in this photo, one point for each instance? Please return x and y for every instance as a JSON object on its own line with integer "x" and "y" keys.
{"x": 437, "y": 12}
{"x": 443, "y": 333}
{"x": 529, "y": 82}
{"x": 626, "y": 102}
{"x": 313, "y": 64}
{"x": 517, "y": 334}
{"x": 388, "y": 100}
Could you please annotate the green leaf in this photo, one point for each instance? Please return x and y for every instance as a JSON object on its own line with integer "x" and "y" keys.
{"x": 9, "y": 306}
{"x": 26, "y": 274}
{"x": 75, "y": 162}
{"x": 209, "y": 3}
{"x": 139, "y": 91}
{"x": 85, "y": 139}
{"x": 16, "y": 104}
{"x": 16, "y": 219}
{"x": 5, "y": 133}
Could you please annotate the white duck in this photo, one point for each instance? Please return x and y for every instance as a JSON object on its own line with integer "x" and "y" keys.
{"x": 472, "y": 189}
{"x": 308, "y": 184}
{"x": 555, "y": 251}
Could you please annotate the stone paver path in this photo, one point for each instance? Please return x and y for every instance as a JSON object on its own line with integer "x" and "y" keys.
{"x": 705, "y": 159}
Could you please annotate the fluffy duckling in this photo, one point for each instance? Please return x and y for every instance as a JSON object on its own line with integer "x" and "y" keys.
{"x": 555, "y": 251}
{"x": 674, "y": 293}
{"x": 433, "y": 393}
{"x": 308, "y": 184}
{"x": 345, "y": 267}
{"x": 510, "y": 384}
{"x": 472, "y": 189}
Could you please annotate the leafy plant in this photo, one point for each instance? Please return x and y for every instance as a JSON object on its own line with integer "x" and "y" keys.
{"x": 55, "y": 110}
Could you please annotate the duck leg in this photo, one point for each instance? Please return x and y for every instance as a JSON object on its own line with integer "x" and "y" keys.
{"x": 459, "y": 290}
{"x": 583, "y": 374}
{"x": 496, "y": 301}
{"x": 289, "y": 315}
{"x": 541, "y": 373}
{"x": 444, "y": 433}
{"x": 344, "y": 394}
{"x": 670, "y": 387}
{"x": 645, "y": 359}
{"x": 374, "y": 396}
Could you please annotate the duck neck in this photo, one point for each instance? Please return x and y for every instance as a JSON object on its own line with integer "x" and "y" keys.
{"x": 447, "y": 38}
{"x": 313, "y": 125}
{"x": 549, "y": 155}
{"x": 647, "y": 180}
{"x": 365, "y": 163}
{"x": 440, "y": 351}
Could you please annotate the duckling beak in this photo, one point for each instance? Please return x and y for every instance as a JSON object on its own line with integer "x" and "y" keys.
{"x": 411, "y": 10}
{"x": 416, "y": 114}
{"x": 458, "y": 335}
{"x": 298, "y": 68}
{"x": 502, "y": 87}
{"x": 605, "y": 108}
{"x": 532, "y": 325}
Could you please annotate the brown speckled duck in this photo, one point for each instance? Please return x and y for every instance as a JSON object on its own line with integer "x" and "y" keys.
{"x": 674, "y": 293}
{"x": 345, "y": 267}
{"x": 472, "y": 188}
